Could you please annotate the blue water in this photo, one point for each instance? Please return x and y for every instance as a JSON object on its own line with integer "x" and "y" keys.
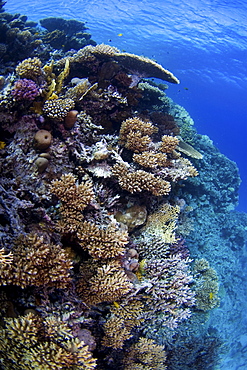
{"x": 204, "y": 44}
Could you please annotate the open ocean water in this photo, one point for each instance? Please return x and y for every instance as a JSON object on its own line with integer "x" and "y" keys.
{"x": 204, "y": 44}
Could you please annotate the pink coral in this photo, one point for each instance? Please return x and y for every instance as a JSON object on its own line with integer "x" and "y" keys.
{"x": 25, "y": 89}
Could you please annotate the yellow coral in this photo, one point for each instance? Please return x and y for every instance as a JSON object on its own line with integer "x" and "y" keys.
{"x": 145, "y": 355}
{"x": 37, "y": 263}
{"x": 29, "y": 68}
{"x": 26, "y": 343}
{"x": 140, "y": 180}
{"x": 102, "y": 242}
{"x": 106, "y": 282}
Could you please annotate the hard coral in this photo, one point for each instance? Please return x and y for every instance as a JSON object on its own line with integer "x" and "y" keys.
{"x": 74, "y": 198}
{"x": 137, "y": 181}
{"x": 105, "y": 282}
{"x": 58, "y": 108}
{"x": 145, "y": 355}
{"x": 29, "y": 342}
{"x": 37, "y": 263}
{"x": 102, "y": 242}
{"x": 25, "y": 89}
{"x": 29, "y": 68}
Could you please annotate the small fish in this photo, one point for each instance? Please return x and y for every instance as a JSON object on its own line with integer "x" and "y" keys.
{"x": 186, "y": 88}
{"x": 211, "y": 295}
{"x": 116, "y": 304}
{"x": 120, "y": 34}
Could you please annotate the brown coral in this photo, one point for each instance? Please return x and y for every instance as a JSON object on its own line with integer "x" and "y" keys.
{"x": 140, "y": 180}
{"x": 145, "y": 355}
{"x": 74, "y": 198}
{"x": 124, "y": 317}
{"x": 29, "y": 68}
{"x": 58, "y": 108}
{"x": 27, "y": 343}
{"x": 104, "y": 243}
{"x": 37, "y": 263}
{"x": 168, "y": 144}
{"x": 107, "y": 282}
{"x": 135, "y": 134}
{"x": 151, "y": 159}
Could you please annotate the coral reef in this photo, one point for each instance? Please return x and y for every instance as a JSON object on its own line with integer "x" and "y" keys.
{"x": 97, "y": 196}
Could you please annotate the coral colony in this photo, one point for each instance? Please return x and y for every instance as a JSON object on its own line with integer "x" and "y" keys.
{"x": 94, "y": 268}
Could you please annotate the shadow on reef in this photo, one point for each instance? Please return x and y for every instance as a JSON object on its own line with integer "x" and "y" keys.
{"x": 107, "y": 193}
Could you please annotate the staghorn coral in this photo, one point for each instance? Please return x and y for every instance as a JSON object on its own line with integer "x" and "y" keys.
{"x": 135, "y": 134}
{"x": 30, "y": 68}
{"x": 25, "y": 89}
{"x": 103, "y": 243}
{"x": 137, "y": 181}
{"x": 28, "y": 342}
{"x": 123, "y": 318}
{"x": 106, "y": 282}
{"x": 58, "y": 108}
{"x": 145, "y": 355}
{"x": 37, "y": 263}
{"x": 206, "y": 285}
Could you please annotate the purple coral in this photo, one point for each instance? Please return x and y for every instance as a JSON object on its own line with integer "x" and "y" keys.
{"x": 25, "y": 89}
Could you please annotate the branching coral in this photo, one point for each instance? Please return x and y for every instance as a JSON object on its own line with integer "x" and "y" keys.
{"x": 170, "y": 292}
{"x": 106, "y": 282}
{"x": 30, "y": 68}
{"x": 135, "y": 134}
{"x": 145, "y": 355}
{"x": 151, "y": 159}
{"x": 5, "y": 258}
{"x": 74, "y": 198}
{"x": 37, "y": 263}
{"x": 28, "y": 342}
{"x": 168, "y": 143}
{"x": 25, "y": 89}
{"x": 102, "y": 242}
{"x": 137, "y": 181}
{"x": 123, "y": 318}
